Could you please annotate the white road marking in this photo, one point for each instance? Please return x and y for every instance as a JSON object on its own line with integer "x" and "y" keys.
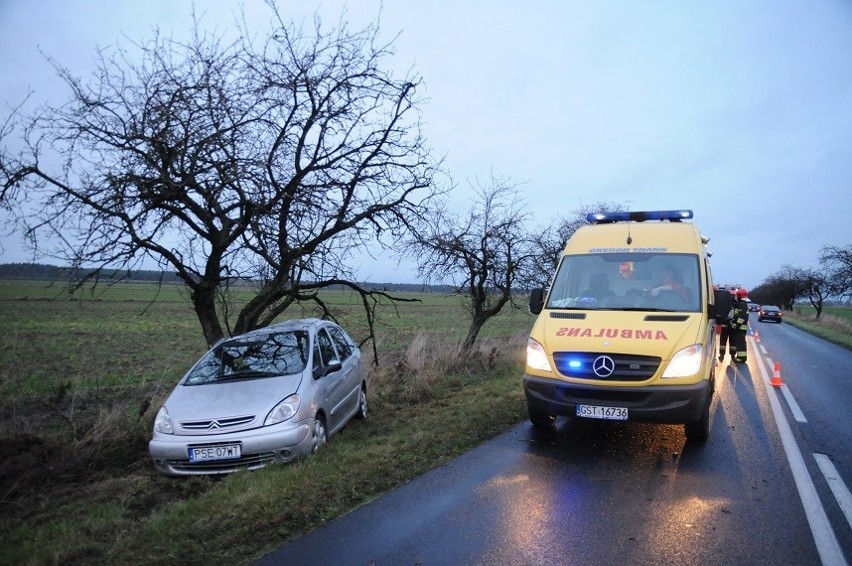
{"x": 835, "y": 482}
{"x": 794, "y": 407}
{"x": 826, "y": 541}
{"x": 788, "y": 396}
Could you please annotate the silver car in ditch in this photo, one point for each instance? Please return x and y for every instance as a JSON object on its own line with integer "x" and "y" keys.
{"x": 271, "y": 395}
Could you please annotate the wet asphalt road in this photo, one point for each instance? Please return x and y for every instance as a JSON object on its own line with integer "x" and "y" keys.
{"x": 593, "y": 492}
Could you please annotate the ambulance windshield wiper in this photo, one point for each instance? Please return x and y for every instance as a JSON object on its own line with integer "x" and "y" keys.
{"x": 640, "y": 309}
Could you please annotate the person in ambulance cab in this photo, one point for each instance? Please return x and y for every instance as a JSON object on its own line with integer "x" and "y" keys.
{"x": 666, "y": 282}
{"x": 598, "y": 287}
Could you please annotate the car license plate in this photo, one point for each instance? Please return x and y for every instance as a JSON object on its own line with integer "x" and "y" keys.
{"x": 596, "y": 412}
{"x": 221, "y": 452}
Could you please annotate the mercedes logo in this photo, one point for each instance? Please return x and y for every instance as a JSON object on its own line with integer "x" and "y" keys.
{"x": 603, "y": 366}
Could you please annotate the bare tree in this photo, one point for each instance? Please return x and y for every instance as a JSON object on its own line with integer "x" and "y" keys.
{"x": 837, "y": 263}
{"x": 483, "y": 252}
{"x": 782, "y": 288}
{"x": 270, "y": 161}
{"x": 818, "y": 287}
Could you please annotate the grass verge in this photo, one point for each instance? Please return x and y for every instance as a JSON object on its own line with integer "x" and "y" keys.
{"x": 136, "y": 517}
{"x": 80, "y": 382}
{"x": 835, "y": 328}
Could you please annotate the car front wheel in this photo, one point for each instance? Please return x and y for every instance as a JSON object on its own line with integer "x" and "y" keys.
{"x": 540, "y": 420}
{"x": 318, "y": 434}
{"x": 699, "y": 431}
{"x": 362, "y": 405}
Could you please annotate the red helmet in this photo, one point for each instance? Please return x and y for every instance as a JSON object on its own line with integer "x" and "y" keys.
{"x": 742, "y": 293}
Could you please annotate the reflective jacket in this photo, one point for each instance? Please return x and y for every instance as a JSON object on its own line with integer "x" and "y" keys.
{"x": 739, "y": 316}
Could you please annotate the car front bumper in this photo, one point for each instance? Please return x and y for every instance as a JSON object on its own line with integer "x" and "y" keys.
{"x": 258, "y": 447}
{"x": 671, "y": 404}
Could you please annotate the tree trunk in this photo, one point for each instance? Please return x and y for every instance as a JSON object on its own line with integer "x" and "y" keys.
{"x": 472, "y": 333}
{"x": 204, "y": 303}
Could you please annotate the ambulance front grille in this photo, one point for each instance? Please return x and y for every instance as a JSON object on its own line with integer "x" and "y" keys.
{"x": 572, "y": 315}
{"x": 625, "y": 367}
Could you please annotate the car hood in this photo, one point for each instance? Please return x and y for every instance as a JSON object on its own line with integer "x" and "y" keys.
{"x": 228, "y": 400}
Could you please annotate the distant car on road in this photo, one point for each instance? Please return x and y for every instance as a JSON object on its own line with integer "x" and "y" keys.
{"x": 270, "y": 395}
{"x": 753, "y": 307}
{"x": 769, "y": 312}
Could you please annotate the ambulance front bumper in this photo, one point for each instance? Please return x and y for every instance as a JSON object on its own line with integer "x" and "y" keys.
{"x": 668, "y": 404}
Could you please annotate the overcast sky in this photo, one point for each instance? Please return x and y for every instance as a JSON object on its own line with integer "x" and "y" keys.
{"x": 740, "y": 111}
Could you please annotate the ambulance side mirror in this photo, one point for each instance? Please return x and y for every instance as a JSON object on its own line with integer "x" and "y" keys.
{"x": 536, "y": 300}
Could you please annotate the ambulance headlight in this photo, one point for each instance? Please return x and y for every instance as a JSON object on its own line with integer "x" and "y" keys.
{"x": 536, "y": 356}
{"x": 685, "y": 363}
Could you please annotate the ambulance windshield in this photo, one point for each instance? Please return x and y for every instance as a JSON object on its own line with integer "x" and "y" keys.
{"x": 627, "y": 281}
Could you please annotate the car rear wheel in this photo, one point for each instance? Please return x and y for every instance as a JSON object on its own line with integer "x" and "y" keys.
{"x": 318, "y": 434}
{"x": 541, "y": 420}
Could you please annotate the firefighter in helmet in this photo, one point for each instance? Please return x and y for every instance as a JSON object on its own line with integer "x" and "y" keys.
{"x": 726, "y": 341}
{"x": 738, "y": 326}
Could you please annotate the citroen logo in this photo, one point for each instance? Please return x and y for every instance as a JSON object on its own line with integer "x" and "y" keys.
{"x": 603, "y": 366}
{"x": 214, "y": 425}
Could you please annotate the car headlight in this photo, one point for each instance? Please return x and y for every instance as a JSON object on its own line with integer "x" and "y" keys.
{"x": 537, "y": 357}
{"x": 283, "y": 410}
{"x": 163, "y": 422}
{"x": 685, "y": 363}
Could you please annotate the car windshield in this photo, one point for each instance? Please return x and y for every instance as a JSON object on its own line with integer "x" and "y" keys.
{"x": 252, "y": 357}
{"x": 627, "y": 281}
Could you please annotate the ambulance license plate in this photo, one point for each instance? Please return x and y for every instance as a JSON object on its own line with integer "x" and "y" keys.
{"x": 597, "y": 412}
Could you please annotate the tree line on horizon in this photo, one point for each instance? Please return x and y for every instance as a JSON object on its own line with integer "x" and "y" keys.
{"x": 830, "y": 281}
{"x": 58, "y": 274}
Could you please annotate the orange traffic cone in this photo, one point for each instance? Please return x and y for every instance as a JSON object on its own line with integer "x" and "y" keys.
{"x": 757, "y": 336}
{"x": 776, "y": 376}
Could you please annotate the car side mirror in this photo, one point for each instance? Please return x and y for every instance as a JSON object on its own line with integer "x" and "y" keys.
{"x": 536, "y": 300}
{"x": 333, "y": 366}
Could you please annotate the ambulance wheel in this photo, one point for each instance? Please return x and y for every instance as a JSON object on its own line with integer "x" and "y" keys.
{"x": 541, "y": 420}
{"x": 699, "y": 431}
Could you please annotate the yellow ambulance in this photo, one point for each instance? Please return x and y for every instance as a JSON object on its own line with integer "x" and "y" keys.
{"x": 626, "y": 330}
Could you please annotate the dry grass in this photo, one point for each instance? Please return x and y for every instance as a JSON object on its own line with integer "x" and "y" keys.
{"x": 433, "y": 362}
{"x": 836, "y": 322}
{"x": 831, "y": 327}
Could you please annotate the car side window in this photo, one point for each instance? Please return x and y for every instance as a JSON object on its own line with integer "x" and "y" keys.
{"x": 343, "y": 346}
{"x": 326, "y": 347}
{"x": 317, "y": 365}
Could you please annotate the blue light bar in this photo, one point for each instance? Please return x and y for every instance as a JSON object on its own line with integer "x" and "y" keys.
{"x": 638, "y": 216}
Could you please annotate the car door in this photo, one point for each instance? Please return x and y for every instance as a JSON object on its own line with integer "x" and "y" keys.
{"x": 351, "y": 359}
{"x": 333, "y": 381}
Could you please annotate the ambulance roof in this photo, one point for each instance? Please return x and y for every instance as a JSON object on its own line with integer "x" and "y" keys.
{"x": 624, "y": 233}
